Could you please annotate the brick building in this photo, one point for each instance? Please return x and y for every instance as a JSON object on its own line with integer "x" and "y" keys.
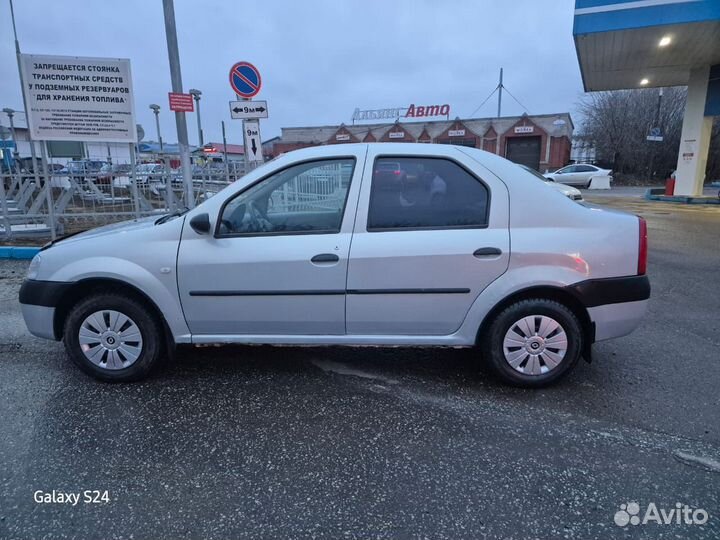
{"x": 542, "y": 141}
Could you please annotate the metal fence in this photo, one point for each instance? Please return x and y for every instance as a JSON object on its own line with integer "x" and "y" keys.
{"x": 55, "y": 197}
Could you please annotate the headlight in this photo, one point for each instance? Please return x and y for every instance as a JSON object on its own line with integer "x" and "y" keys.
{"x": 34, "y": 267}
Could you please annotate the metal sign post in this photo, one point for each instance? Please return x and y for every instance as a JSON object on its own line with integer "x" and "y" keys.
{"x": 227, "y": 165}
{"x": 176, "y": 78}
{"x": 48, "y": 189}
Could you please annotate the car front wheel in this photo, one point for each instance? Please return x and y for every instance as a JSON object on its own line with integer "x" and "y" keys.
{"x": 533, "y": 342}
{"x": 113, "y": 338}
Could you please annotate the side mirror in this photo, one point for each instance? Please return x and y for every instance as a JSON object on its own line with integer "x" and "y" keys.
{"x": 200, "y": 223}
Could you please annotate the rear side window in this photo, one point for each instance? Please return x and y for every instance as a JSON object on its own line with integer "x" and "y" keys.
{"x": 425, "y": 193}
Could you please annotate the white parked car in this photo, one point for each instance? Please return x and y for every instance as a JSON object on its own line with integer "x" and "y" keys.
{"x": 578, "y": 174}
{"x": 323, "y": 246}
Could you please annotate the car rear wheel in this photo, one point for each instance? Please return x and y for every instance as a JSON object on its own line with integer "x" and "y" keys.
{"x": 533, "y": 343}
{"x": 113, "y": 338}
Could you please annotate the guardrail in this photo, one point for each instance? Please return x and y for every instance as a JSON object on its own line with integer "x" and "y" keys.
{"x": 75, "y": 197}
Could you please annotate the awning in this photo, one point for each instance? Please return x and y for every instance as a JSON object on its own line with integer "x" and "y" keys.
{"x": 644, "y": 43}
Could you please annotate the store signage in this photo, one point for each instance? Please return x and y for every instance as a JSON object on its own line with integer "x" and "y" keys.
{"x": 456, "y": 133}
{"x": 524, "y": 129}
{"x": 427, "y": 110}
{"x": 70, "y": 98}
{"x": 377, "y": 114}
{"x": 342, "y": 137}
{"x": 180, "y": 102}
{"x": 396, "y": 134}
{"x": 412, "y": 111}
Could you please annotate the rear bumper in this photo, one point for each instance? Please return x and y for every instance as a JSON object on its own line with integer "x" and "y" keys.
{"x": 619, "y": 290}
{"x": 616, "y": 306}
{"x": 617, "y": 320}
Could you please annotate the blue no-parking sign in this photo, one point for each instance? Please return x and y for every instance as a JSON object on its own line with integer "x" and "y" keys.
{"x": 245, "y": 79}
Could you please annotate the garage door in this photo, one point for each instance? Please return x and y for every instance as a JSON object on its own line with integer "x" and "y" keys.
{"x": 524, "y": 150}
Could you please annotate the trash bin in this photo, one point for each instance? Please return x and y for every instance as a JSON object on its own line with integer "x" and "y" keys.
{"x": 669, "y": 186}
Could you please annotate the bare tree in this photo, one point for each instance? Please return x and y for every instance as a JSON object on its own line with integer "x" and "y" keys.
{"x": 619, "y": 121}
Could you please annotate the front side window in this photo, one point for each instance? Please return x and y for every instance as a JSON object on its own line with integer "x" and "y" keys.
{"x": 425, "y": 193}
{"x": 308, "y": 197}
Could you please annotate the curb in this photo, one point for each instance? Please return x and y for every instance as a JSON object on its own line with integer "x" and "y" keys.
{"x": 18, "y": 252}
{"x": 658, "y": 194}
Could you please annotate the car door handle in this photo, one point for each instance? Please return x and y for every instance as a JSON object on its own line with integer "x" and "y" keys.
{"x": 325, "y": 258}
{"x": 487, "y": 252}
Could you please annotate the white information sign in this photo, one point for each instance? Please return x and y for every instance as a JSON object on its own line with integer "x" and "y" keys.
{"x": 248, "y": 109}
{"x": 70, "y": 98}
{"x": 253, "y": 146}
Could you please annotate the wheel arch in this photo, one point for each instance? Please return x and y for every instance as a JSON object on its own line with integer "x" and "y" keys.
{"x": 557, "y": 294}
{"x": 86, "y": 287}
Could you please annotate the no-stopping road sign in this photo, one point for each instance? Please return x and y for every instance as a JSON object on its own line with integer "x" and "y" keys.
{"x": 245, "y": 79}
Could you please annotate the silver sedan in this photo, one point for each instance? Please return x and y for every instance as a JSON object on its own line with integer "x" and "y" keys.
{"x": 352, "y": 244}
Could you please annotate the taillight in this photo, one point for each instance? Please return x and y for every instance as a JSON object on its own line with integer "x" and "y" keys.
{"x": 642, "y": 248}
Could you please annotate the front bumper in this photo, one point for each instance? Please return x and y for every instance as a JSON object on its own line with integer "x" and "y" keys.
{"x": 38, "y": 301}
{"x": 40, "y": 320}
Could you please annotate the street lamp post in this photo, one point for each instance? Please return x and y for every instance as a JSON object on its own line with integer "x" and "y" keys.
{"x": 196, "y": 96}
{"x": 15, "y": 153}
{"x": 156, "y": 110}
{"x": 10, "y": 113}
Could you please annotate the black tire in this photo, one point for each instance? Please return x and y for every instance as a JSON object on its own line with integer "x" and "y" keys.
{"x": 492, "y": 349}
{"x": 150, "y": 328}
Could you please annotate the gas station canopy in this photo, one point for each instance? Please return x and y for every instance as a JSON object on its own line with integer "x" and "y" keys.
{"x": 644, "y": 43}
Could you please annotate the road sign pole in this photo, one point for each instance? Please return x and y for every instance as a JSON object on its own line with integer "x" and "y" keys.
{"x": 227, "y": 165}
{"x": 176, "y": 77}
{"x": 48, "y": 189}
{"x": 133, "y": 181}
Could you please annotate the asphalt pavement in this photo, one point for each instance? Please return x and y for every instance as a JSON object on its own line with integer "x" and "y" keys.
{"x": 281, "y": 442}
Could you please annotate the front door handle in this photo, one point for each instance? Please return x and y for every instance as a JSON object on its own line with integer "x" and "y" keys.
{"x": 487, "y": 252}
{"x": 325, "y": 258}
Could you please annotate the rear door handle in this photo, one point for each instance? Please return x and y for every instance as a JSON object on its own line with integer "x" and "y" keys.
{"x": 325, "y": 258}
{"x": 487, "y": 252}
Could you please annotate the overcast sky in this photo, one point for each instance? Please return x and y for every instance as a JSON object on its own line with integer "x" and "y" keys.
{"x": 318, "y": 59}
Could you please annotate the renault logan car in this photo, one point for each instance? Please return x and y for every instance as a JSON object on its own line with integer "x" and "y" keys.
{"x": 322, "y": 247}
